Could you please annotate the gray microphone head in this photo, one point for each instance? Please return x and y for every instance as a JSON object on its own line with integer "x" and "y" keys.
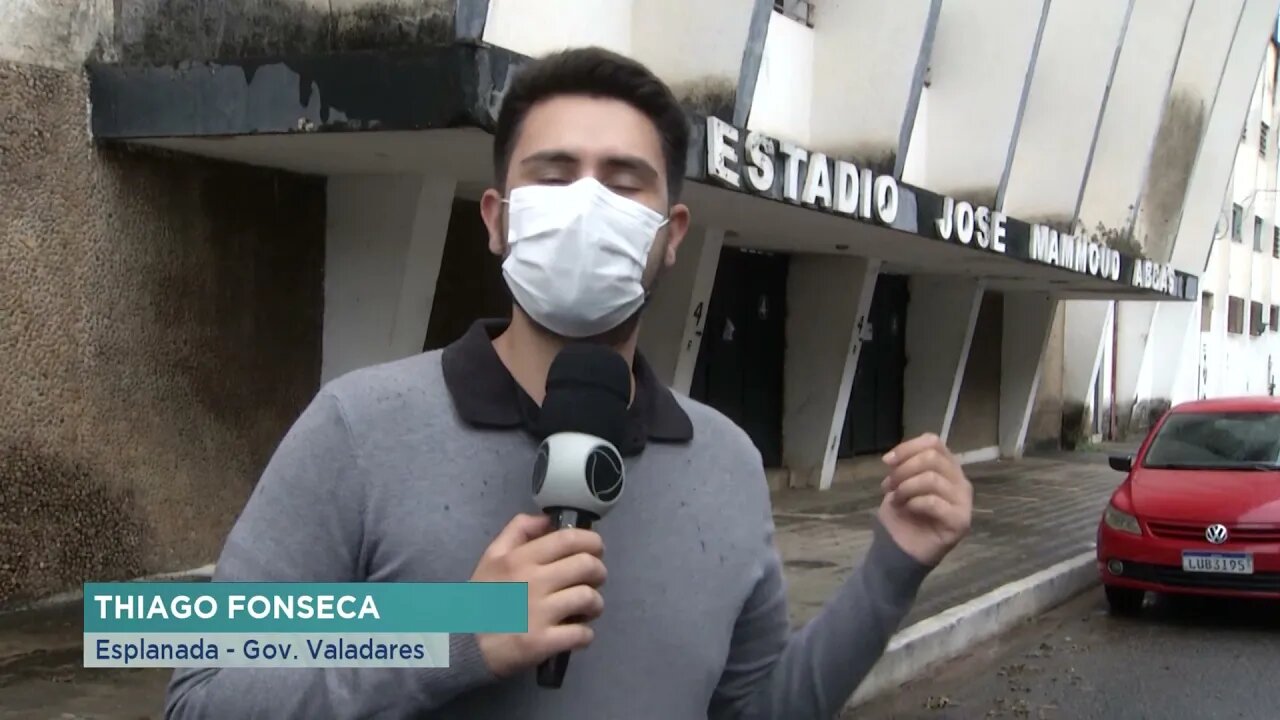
{"x": 579, "y": 472}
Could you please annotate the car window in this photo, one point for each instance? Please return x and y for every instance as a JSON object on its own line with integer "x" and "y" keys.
{"x": 1217, "y": 440}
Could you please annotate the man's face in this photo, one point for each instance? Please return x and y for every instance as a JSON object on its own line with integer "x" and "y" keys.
{"x": 567, "y": 138}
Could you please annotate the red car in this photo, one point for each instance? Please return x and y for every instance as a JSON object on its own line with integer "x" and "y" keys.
{"x": 1199, "y": 512}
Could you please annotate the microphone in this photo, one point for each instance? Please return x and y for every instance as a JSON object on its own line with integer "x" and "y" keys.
{"x": 578, "y": 474}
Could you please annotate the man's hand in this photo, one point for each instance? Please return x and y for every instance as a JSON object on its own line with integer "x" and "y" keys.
{"x": 563, "y": 570}
{"x": 928, "y": 502}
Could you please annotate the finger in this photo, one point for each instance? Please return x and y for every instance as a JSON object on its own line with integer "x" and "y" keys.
{"x": 932, "y": 507}
{"x": 581, "y": 569}
{"x": 913, "y": 447}
{"x": 520, "y": 531}
{"x": 561, "y": 544}
{"x": 926, "y": 483}
{"x": 926, "y": 461}
{"x": 557, "y": 639}
{"x": 582, "y": 603}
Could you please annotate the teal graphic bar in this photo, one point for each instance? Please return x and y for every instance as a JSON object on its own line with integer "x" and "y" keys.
{"x": 234, "y": 607}
{"x": 266, "y": 650}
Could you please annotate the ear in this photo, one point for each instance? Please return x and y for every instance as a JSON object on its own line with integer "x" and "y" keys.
{"x": 491, "y": 209}
{"x": 677, "y": 228}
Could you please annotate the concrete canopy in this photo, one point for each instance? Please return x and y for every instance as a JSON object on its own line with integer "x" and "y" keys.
{"x": 432, "y": 111}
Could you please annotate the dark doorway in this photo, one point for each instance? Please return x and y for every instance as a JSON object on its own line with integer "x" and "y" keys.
{"x": 873, "y": 422}
{"x": 470, "y": 285}
{"x": 976, "y": 423}
{"x": 740, "y": 362}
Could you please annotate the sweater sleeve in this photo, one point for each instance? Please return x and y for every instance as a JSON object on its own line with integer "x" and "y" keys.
{"x": 304, "y": 523}
{"x": 774, "y": 673}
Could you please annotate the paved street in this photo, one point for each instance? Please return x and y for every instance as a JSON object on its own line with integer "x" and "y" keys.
{"x": 1212, "y": 660}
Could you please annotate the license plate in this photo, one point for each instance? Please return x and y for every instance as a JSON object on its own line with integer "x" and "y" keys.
{"x": 1228, "y": 563}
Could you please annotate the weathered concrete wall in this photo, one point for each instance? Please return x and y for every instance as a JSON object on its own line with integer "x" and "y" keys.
{"x": 161, "y": 31}
{"x": 1210, "y": 33}
{"x": 1177, "y": 140}
{"x": 976, "y": 424}
{"x": 671, "y": 333}
{"x": 55, "y": 33}
{"x": 160, "y": 328}
{"x": 63, "y": 33}
{"x": 1045, "y": 429}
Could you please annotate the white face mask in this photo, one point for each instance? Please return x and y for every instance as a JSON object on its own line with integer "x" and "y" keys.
{"x": 577, "y": 255}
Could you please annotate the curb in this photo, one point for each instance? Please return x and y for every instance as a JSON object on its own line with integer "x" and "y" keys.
{"x": 953, "y": 632}
{"x": 200, "y": 574}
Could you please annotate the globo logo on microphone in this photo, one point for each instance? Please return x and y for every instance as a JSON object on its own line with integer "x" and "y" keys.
{"x": 578, "y": 471}
{"x": 604, "y": 473}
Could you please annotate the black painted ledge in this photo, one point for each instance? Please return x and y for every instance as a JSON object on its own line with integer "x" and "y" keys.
{"x": 447, "y": 87}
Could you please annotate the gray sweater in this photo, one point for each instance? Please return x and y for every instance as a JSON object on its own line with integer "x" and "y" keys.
{"x": 380, "y": 480}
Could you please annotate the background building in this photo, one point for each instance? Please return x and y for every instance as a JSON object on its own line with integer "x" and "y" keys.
{"x": 908, "y": 213}
{"x": 1239, "y": 341}
{"x": 1149, "y": 355}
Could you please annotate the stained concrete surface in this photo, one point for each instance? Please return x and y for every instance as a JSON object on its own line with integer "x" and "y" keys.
{"x": 1182, "y": 660}
{"x": 1030, "y": 515}
{"x": 42, "y": 675}
{"x": 169, "y": 31}
{"x": 160, "y": 324}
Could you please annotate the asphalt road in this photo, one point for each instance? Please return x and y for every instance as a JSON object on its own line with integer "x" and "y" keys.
{"x": 1181, "y": 660}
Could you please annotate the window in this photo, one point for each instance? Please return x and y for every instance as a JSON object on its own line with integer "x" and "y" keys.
{"x": 1262, "y": 139}
{"x": 1235, "y": 315}
{"x": 1257, "y": 234}
{"x": 1275, "y": 318}
{"x": 1237, "y": 223}
{"x": 799, "y": 10}
{"x": 1206, "y": 311}
{"x": 1275, "y": 243}
{"x": 1220, "y": 440}
{"x": 1255, "y": 319}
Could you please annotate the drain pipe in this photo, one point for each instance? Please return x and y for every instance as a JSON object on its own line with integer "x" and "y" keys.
{"x": 1115, "y": 354}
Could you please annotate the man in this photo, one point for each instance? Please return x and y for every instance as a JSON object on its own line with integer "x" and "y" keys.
{"x": 418, "y": 470}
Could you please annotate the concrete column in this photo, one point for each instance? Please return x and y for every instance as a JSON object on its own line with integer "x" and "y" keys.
{"x": 1067, "y": 93}
{"x": 1198, "y": 80}
{"x": 1162, "y": 358}
{"x": 1084, "y": 329}
{"x": 1212, "y": 169}
{"x": 1028, "y": 318}
{"x": 828, "y": 298}
{"x": 543, "y": 26}
{"x": 1193, "y": 232}
{"x": 1134, "y": 321}
{"x": 1186, "y": 381}
{"x": 672, "y": 329}
{"x": 940, "y": 322}
{"x": 864, "y": 111}
{"x": 981, "y": 56}
{"x": 384, "y": 240}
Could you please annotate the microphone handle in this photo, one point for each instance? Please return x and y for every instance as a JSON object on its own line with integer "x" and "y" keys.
{"x": 551, "y": 671}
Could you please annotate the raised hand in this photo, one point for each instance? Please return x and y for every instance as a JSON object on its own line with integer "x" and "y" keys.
{"x": 928, "y": 502}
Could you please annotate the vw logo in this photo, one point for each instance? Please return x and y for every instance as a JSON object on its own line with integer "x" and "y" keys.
{"x": 1216, "y": 534}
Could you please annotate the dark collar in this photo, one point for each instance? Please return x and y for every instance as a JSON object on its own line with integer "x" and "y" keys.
{"x": 486, "y": 395}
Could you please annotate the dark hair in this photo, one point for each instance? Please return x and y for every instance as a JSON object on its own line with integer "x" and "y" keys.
{"x": 594, "y": 72}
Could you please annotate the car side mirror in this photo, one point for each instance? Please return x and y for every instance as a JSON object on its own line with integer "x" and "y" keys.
{"x": 1121, "y": 463}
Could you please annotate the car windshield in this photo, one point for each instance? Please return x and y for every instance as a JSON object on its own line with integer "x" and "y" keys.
{"x": 1219, "y": 440}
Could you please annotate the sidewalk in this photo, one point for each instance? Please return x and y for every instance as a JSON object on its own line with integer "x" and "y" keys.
{"x": 1029, "y": 515}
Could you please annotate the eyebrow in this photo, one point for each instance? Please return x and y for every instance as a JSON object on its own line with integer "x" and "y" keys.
{"x": 631, "y": 163}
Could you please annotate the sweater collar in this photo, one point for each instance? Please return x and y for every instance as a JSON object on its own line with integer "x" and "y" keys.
{"x": 485, "y": 395}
